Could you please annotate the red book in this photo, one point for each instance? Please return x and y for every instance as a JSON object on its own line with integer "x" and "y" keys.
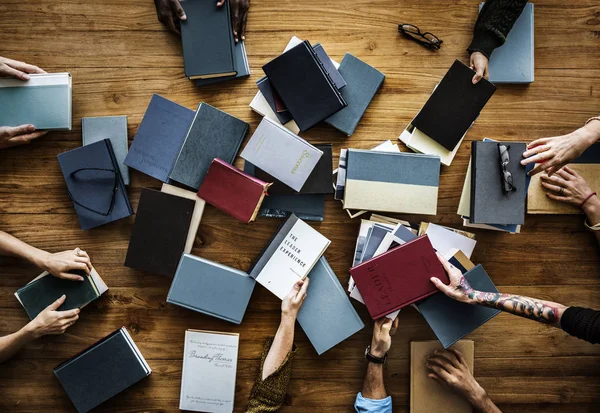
{"x": 233, "y": 191}
{"x": 399, "y": 277}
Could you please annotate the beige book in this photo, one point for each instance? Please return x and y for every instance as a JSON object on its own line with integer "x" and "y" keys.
{"x": 196, "y": 215}
{"x": 427, "y": 395}
{"x": 424, "y": 225}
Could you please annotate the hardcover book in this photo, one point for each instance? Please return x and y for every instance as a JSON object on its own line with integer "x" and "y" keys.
{"x": 207, "y": 39}
{"x": 419, "y": 142}
{"x": 45, "y": 289}
{"x": 211, "y": 288}
{"x": 289, "y": 256}
{"x": 281, "y": 154}
{"x": 196, "y": 215}
{"x": 391, "y": 182}
{"x": 212, "y": 134}
{"x": 102, "y": 371}
{"x": 159, "y": 138}
{"x": 304, "y": 85}
{"x": 265, "y": 88}
{"x": 44, "y": 101}
{"x": 159, "y": 233}
{"x": 240, "y": 65}
{"x": 233, "y": 191}
{"x": 209, "y": 371}
{"x": 399, "y": 277}
{"x": 453, "y": 106}
{"x": 113, "y": 128}
{"x": 94, "y": 184}
{"x": 330, "y": 66}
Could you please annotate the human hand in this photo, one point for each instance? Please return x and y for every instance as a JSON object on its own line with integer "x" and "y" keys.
{"x": 293, "y": 301}
{"x": 18, "y": 135}
{"x": 170, "y": 13}
{"x": 479, "y": 63}
{"x": 239, "y": 17}
{"x": 51, "y": 321}
{"x": 459, "y": 288}
{"x": 16, "y": 69}
{"x": 553, "y": 153}
{"x": 383, "y": 330}
{"x": 62, "y": 264}
{"x": 566, "y": 185}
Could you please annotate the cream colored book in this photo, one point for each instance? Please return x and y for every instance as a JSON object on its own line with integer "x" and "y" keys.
{"x": 420, "y": 142}
{"x": 196, "y": 215}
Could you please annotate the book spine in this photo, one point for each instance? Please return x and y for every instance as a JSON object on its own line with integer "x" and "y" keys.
{"x": 121, "y": 184}
{"x": 473, "y": 179}
{"x": 326, "y": 73}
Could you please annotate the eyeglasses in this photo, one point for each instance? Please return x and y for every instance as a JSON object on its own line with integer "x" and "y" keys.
{"x": 507, "y": 178}
{"x": 96, "y": 176}
{"x": 427, "y": 39}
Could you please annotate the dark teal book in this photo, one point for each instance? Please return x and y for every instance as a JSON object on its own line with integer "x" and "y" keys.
{"x": 240, "y": 63}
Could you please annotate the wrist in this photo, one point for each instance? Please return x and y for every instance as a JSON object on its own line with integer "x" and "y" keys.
{"x": 288, "y": 318}
{"x": 589, "y": 134}
{"x": 591, "y": 209}
{"x": 377, "y": 350}
{"x": 39, "y": 258}
{"x": 479, "y": 399}
{"x": 30, "y": 332}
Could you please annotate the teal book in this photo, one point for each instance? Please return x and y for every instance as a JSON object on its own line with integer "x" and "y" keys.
{"x": 113, "y": 128}
{"x": 240, "y": 63}
{"x": 44, "y": 101}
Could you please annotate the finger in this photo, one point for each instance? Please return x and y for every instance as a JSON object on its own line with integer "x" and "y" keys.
{"x": 243, "y": 24}
{"x": 24, "y": 67}
{"x": 303, "y": 289}
{"x": 445, "y": 263}
{"x": 395, "y": 325}
{"x": 448, "y": 356}
{"x": 10, "y": 71}
{"x": 386, "y": 326}
{"x": 436, "y": 378}
{"x": 68, "y": 313}
{"x": 557, "y": 197}
{"x": 178, "y": 10}
{"x": 220, "y": 3}
{"x": 537, "y": 142}
{"x": 540, "y": 157}
{"x": 538, "y": 168}
{"x": 23, "y": 139}
{"x": 71, "y": 320}
{"x": 535, "y": 150}
{"x": 565, "y": 176}
{"x": 20, "y": 130}
{"x": 459, "y": 356}
{"x": 69, "y": 276}
{"x": 235, "y": 23}
{"x": 172, "y": 25}
{"x": 446, "y": 289}
{"x": 570, "y": 171}
{"x": 86, "y": 261}
{"x": 441, "y": 373}
{"x": 477, "y": 77}
{"x": 57, "y": 303}
{"x": 79, "y": 266}
{"x": 555, "y": 180}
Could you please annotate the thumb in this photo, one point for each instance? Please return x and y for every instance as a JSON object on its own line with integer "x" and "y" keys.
{"x": 179, "y": 10}
{"x": 446, "y": 289}
{"x": 478, "y": 76}
{"x": 55, "y": 305}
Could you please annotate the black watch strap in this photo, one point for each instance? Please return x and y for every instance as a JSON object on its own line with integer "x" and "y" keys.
{"x": 374, "y": 359}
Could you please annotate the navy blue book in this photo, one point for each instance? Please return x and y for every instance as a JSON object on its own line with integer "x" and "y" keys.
{"x": 452, "y": 320}
{"x": 94, "y": 184}
{"x": 240, "y": 63}
{"x": 325, "y": 60}
{"x": 327, "y": 315}
{"x": 159, "y": 138}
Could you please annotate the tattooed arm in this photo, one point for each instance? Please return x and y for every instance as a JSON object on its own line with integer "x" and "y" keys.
{"x": 459, "y": 289}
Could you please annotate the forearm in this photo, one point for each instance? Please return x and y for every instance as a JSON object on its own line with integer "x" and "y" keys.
{"x": 282, "y": 345}
{"x": 12, "y": 343}
{"x": 12, "y": 246}
{"x": 484, "y": 404}
{"x": 591, "y": 208}
{"x": 373, "y": 385}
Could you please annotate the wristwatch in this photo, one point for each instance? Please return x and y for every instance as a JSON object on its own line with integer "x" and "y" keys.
{"x": 374, "y": 359}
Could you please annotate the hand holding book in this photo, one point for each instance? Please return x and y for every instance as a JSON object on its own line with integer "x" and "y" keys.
{"x": 51, "y": 321}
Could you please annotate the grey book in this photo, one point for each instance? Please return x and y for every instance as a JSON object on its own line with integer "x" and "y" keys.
{"x": 282, "y": 154}
{"x": 374, "y": 239}
{"x": 44, "y": 101}
{"x": 362, "y": 83}
{"x": 113, "y": 128}
{"x": 212, "y": 134}
{"x": 211, "y": 288}
{"x": 240, "y": 63}
{"x": 327, "y": 315}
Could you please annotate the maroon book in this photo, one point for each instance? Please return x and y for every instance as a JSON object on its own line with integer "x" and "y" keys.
{"x": 399, "y": 277}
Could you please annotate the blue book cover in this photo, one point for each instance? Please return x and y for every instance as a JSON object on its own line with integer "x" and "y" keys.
{"x": 211, "y": 288}
{"x": 327, "y": 315}
{"x": 452, "y": 320}
{"x": 373, "y": 241}
{"x": 513, "y": 62}
{"x": 240, "y": 64}
{"x": 159, "y": 138}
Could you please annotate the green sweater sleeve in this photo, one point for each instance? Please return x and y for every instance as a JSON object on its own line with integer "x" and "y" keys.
{"x": 495, "y": 20}
{"x": 268, "y": 395}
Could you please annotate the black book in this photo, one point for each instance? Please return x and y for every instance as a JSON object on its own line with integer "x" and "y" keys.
{"x": 453, "y": 106}
{"x": 207, "y": 40}
{"x": 300, "y": 79}
{"x": 490, "y": 204}
{"x": 102, "y": 371}
{"x": 160, "y": 232}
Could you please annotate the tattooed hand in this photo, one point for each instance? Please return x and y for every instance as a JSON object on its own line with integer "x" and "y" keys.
{"x": 459, "y": 288}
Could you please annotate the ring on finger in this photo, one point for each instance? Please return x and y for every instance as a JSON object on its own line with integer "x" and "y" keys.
{"x": 78, "y": 251}
{"x": 562, "y": 191}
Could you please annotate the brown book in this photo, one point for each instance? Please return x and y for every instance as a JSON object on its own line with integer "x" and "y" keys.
{"x": 427, "y": 395}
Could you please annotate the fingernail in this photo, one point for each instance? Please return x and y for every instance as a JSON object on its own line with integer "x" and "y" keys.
{"x": 243, "y": 37}
{"x": 25, "y": 76}
{"x": 184, "y": 17}
{"x": 30, "y": 128}
{"x": 80, "y": 278}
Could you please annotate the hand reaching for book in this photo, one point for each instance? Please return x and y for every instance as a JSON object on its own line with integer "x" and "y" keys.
{"x": 479, "y": 63}
{"x": 18, "y": 135}
{"x": 293, "y": 301}
{"x": 170, "y": 13}
{"x": 16, "y": 69}
{"x": 62, "y": 263}
{"x": 566, "y": 185}
{"x": 459, "y": 288}
{"x": 383, "y": 330}
{"x": 51, "y": 321}
{"x": 239, "y": 17}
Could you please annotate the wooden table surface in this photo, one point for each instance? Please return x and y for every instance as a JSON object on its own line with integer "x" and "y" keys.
{"x": 119, "y": 55}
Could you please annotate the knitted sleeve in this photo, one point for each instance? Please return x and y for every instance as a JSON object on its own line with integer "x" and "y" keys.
{"x": 268, "y": 395}
{"x": 582, "y": 323}
{"x": 495, "y": 20}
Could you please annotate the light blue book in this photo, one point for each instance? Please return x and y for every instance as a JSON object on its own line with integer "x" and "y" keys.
{"x": 44, "y": 101}
{"x": 327, "y": 315}
{"x": 374, "y": 238}
{"x": 513, "y": 61}
{"x": 113, "y": 128}
{"x": 211, "y": 288}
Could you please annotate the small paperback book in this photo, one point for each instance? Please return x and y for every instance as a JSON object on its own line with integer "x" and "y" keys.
{"x": 289, "y": 256}
{"x": 209, "y": 371}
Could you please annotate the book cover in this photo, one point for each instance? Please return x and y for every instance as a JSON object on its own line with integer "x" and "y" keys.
{"x": 44, "y": 101}
{"x": 363, "y": 82}
{"x": 199, "y": 206}
{"x": 113, "y": 128}
{"x": 289, "y": 256}
{"x": 266, "y": 89}
{"x": 281, "y": 154}
{"x": 374, "y": 239}
{"x": 159, "y": 233}
{"x": 399, "y": 277}
{"x": 233, "y": 191}
{"x": 102, "y": 371}
{"x": 94, "y": 184}
{"x": 304, "y": 85}
{"x": 453, "y": 106}
{"x": 444, "y": 240}
{"x": 240, "y": 65}
{"x": 207, "y": 40}
{"x": 327, "y": 315}
{"x": 421, "y": 143}
{"x": 330, "y": 66}
{"x": 209, "y": 371}
{"x": 159, "y": 138}
{"x": 392, "y": 182}
{"x": 212, "y": 134}
{"x": 211, "y": 288}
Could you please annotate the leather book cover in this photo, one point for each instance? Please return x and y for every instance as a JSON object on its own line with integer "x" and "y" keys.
{"x": 212, "y": 134}
{"x": 304, "y": 85}
{"x": 159, "y": 233}
{"x": 399, "y": 277}
{"x": 233, "y": 191}
{"x": 453, "y": 106}
{"x": 159, "y": 138}
{"x": 207, "y": 40}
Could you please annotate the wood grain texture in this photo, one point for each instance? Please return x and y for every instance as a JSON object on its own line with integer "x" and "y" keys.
{"x": 119, "y": 55}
